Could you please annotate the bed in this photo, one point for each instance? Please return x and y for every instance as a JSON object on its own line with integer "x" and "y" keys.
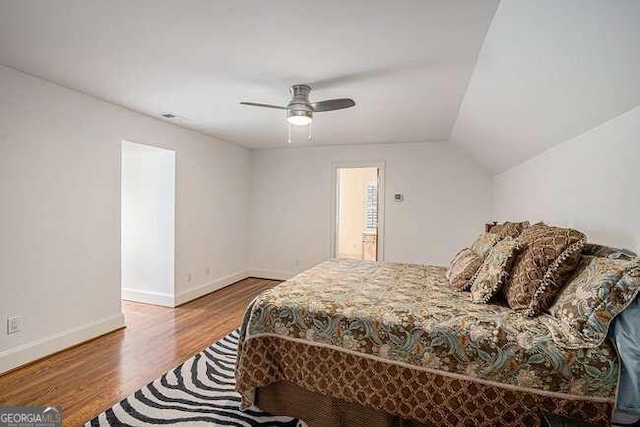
{"x": 391, "y": 344}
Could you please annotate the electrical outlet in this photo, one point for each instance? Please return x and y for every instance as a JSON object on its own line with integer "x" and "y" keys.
{"x": 14, "y": 325}
{"x": 207, "y": 271}
{"x": 188, "y": 277}
{"x": 297, "y": 263}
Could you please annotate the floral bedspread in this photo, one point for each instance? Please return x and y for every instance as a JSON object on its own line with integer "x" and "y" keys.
{"x": 406, "y": 313}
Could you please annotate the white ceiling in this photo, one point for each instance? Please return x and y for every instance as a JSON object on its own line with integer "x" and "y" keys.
{"x": 407, "y": 64}
{"x": 549, "y": 70}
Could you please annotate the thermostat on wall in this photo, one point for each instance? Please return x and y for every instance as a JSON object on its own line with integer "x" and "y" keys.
{"x": 398, "y": 197}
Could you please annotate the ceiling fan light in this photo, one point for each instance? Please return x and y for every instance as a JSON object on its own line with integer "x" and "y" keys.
{"x": 300, "y": 118}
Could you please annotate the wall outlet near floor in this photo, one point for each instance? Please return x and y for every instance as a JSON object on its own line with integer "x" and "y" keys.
{"x": 14, "y": 325}
{"x": 188, "y": 277}
{"x": 207, "y": 271}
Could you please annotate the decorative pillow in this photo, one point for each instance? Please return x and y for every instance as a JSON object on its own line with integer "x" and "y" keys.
{"x": 599, "y": 290}
{"x": 509, "y": 229}
{"x": 548, "y": 255}
{"x": 494, "y": 271}
{"x": 483, "y": 244}
{"x": 462, "y": 268}
{"x": 602, "y": 251}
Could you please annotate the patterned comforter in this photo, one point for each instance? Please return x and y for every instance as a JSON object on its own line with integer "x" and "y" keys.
{"x": 405, "y": 315}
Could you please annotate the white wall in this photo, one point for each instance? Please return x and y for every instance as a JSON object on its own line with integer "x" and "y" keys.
{"x": 447, "y": 199}
{"x": 60, "y": 212}
{"x": 148, "y": 223}
{"x": 590, "y": 182}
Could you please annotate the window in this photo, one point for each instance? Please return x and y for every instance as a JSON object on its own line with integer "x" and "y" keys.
{"x": 371, "y": 207}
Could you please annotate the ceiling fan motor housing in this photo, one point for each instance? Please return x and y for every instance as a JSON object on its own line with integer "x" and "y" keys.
{"x": 299, "y": 104}
{"x": 300, "y": 110}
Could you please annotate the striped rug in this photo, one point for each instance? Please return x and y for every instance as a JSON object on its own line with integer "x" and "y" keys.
{"x": 198, "y": 392}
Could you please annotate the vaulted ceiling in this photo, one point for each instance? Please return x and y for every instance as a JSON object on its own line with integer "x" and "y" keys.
{"x": 549, "y": 70}
{"x": 504, "y": 87}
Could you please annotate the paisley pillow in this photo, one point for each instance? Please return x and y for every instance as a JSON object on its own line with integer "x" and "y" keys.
{"x": 494, "y": 271}
{"x": 548, "y": 256}
{"x": 509, "y": 229}
{"x": 483, "y": 244}
{"x": 462, "y": 268}
{"x": 599, "y": 289}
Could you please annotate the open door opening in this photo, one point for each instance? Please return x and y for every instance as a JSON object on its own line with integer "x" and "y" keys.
{"x": 357, "y": 209}
{"x": 148, "y": 224}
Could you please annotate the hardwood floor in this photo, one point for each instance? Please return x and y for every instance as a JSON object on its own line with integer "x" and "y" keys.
{"x": 91, "y": 377}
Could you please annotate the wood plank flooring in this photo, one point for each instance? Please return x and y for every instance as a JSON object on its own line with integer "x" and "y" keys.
{"x": 91, "y": 377}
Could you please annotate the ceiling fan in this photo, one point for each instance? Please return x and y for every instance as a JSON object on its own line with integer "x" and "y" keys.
{"x": 300, "y": 110}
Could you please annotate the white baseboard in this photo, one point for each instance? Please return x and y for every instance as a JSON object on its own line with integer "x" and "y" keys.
{"x": 25, "y": 353}
{"x": 34, "y": 350}
{"x": 167, "y": 300}
{"x": 148, "y": 297}
{"x": 207, "y": 288}
{"x": 271, "y": 274}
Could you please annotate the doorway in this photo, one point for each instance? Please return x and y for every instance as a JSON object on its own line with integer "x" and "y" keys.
{"x": 148, "y": 223}
{"x": 358, "y": 213}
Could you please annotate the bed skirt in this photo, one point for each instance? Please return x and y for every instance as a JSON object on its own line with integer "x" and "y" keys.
{"x": 404, "y": 392}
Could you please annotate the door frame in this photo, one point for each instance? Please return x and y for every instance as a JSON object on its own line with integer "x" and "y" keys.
{"x": 333, "y": 218}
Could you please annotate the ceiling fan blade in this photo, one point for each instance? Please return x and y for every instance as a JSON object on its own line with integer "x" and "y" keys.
{"x": 332, "y": 104}
{"x": 255, "y": 104}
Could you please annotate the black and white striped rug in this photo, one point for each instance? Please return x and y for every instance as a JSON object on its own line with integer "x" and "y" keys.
{"x": 198, "y": 392}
